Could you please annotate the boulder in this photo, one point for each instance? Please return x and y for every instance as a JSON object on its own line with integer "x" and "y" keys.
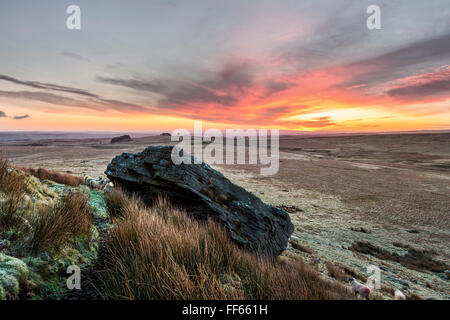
{"x": 204, "y": 193}
{"x": 124, "y": 138}
{"x": 165, "y": 134}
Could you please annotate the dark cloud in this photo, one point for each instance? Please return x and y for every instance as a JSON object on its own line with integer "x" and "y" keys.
{"x": 276, "y": 86}
{"x": 3, "y": 115}
{"x": 42, "y": 97}
{"x": 175, "y": 92}
{"x": 98, "y": 104}
{"x": 334, "y": 36}
{"x": 48, "y": 86}
{"x": 150, "y": 86}
{"x": 235, "y": 75}
{"x": 275, "y": 111}
{"x": 412, "y": 54}
{"x": 422, "y": 90}
{"x": 120, "y": 105}
{"x": 86, "y": 100}
{"x": 25, "y": 116}
{"x": 222, "y": 88}
{"x": 75, "y": 56}
{"x": 389, "y": 65}
{"x": 116, "y": 65}
{"x": 321, "y": 122}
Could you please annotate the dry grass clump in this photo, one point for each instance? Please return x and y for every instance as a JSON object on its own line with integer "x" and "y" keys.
{"x": 360, "y": 229}
{"x": 55, "y": 176}
{"x": 353, "y": 273}
{"x": 415, "y": 259}
{"x": 115, "y": 203}
{"x": 296, "y": 245}
{"x": 342, "y": 273}
{"x": 336, "y": 272}
{"x": 161, "y": 253}
{"x": 13, "y": 187}
{"x": 11, "y": 182}
{"x": 53, "y": 227}
{"x": 413, "y": 296}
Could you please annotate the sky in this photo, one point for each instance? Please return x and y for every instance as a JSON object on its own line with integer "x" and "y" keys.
{"x": 289, "y": 64}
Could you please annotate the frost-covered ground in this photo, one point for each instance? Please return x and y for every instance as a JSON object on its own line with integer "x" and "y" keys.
{"x": 395, "y": 187}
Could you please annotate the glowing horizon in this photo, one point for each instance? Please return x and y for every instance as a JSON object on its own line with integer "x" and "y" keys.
{"x": 160, "y": 65}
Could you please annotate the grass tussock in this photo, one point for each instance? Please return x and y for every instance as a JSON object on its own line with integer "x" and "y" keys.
{"x": 115, "y": 203}
{"x": 296, "y": 245}
{"x": 415, "y": 259}
{"x": 342, "y": 273}
{"x": 53, "y": 227}
{"x": 58, "y": 177}
{"x": 161, "y": 253}
{"x": 336, "y": 272}
{"x": 13, "y": 187}
{"x": 360, "y": 229}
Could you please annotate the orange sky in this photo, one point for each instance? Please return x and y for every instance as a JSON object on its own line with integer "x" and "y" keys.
{"x": 311, "y": 103}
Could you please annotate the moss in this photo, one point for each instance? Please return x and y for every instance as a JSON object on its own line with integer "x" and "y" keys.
{"x": 44, "y": 276}
{"x": 14, "y": 266}
{"x": 13, "y": 273}
{"x": 49, "y": 271}
{"x": 9, "y": 285}
{"x": 98, "y": 204}
{"x": 2, "y": 293}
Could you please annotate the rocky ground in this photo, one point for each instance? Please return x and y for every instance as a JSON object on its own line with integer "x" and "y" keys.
{"x": 391, "y": 191}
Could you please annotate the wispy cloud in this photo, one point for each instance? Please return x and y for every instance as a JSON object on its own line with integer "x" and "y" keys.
{"x": 219, "y": 88}
{"x": 422, "y": 86}
{"x": 98, "y": 104}
{"x": 42, "y": 97}
{"x": 389, "y": 65}
{"x": 25, "y": 116}
{"x": 48, "y": 86}
{"x": 3, "y": 115}
{"x": 75, "y": 56}
{"x": 85, "y": 99}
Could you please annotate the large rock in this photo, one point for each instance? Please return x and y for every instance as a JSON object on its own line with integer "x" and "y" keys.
{"x": 124, "y": 138}
{"x": 204, "y": 192}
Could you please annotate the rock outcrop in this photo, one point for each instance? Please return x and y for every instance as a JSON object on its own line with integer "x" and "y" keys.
{"x": 204, "y": 193}
{"x": 124, "y": 138}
